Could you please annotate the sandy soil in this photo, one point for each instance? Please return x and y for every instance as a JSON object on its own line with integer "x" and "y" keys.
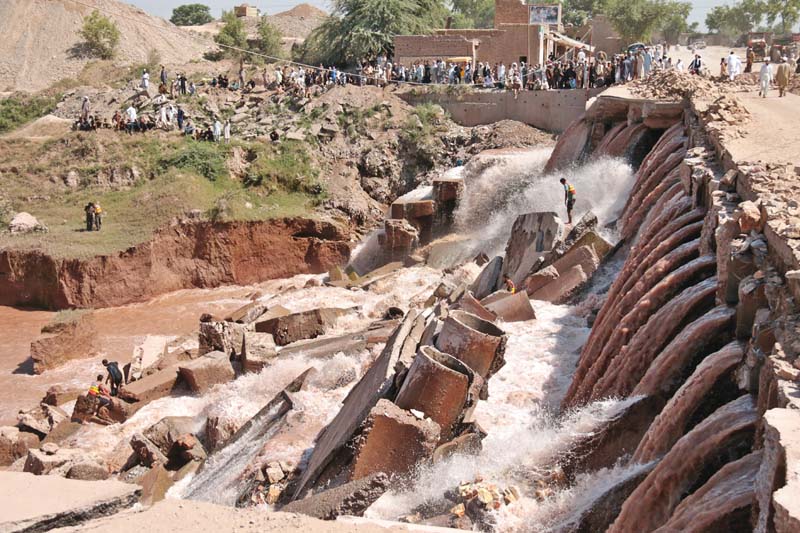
{"x": 773, "y": 134}
{"x": 40, "y": 43}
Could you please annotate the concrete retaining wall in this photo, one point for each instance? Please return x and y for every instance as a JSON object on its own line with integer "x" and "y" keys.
{"x": 546, "y": 110}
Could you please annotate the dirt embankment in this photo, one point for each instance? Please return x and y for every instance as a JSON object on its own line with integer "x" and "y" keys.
{"x": 190, "y": 255}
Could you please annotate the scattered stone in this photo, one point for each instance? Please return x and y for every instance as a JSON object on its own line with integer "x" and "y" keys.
{"x": 206, "y": 371}
{"x": 748, "y": 215}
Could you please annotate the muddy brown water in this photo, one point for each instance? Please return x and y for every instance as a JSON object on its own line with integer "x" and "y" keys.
{"x": 120, "y": 329}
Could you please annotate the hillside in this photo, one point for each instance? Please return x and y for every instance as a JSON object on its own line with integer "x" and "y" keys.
{"x": 40, "y": 43}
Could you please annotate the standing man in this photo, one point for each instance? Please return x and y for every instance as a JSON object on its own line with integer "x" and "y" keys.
{"x": 217, "y": 129}
{"x": 734, "y": 66}
{"x": 765, "y": 77}
{"x": 131, "y": 114}
{"x": 145, "y": 79}
{"x": 163, "y": 76}
{"x": 227, "y": 131}
{"x": 751, "y": 57}
{"x": 696, "y": 65}
{"x": 114, "y": 377}
{"x": 85, "y": 109}
{"x": 181, "y": 117}
{"x": 782, "y": 76}
{"x": 569, "y": 198}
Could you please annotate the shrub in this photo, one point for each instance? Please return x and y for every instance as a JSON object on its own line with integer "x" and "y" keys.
{"x": 233, "y": 33}
{"x": 19, "y": 109}
{"x": 206, "y": 159}
{"x": 101, "y": 35}
{"x": 287, "y": 166}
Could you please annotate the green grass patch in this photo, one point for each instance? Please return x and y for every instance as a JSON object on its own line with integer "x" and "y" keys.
{"x": 286, "y": 167}
{"x": 20, "y": 109}
{"x": 423, "y": 123}
{"x": 204, "y": 158}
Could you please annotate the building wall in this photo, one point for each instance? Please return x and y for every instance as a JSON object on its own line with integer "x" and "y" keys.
{"x": 408, "y": 48}
{"x": 510, "y": 12}
{"x": 547, "y": 110}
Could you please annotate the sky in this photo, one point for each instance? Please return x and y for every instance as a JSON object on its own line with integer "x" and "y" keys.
{"x": 163, "y": 8}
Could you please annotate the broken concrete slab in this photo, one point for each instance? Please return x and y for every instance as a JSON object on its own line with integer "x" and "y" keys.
{"x": 297, "y": 326}
{"x": 157, "y": 385}
{"x": 393, "y": 441}
{"x": 147, "y": 354}
{"x": 560, "y": 289}
{"x": 350, "y": 499}
{"x": 476, "y": 342}
{"x": 583, "y": 256}
{"x": 347, "y": 344}
{"x": 488, "y": 280}
{"x": 470, "y": 304}
{"x": 58, "y": 395}
{"x": 41, "y": 462}
{"x": 533, "y": 237}
{"x": 168, "y": 430}
{"x": 15, "y": 444}
{"x": 440, "y": 386}
{"x": 42, "y": 503}
{"x": 510, "y": 307}
{"x": 540, "y": 278}
{"x": 248, "y": 313}
{"x": 220, "y": 336}
{"x": 257, "y": 351}
{"x": 147, "y": 452}
{"x": 206, "y": 371}
{"x": 377, "y": 383}
{"x": 155, "y": 483}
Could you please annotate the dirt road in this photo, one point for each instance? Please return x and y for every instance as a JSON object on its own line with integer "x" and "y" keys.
{"x": 773, "y": 133}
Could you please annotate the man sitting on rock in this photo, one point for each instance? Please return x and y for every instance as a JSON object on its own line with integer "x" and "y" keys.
{"x": 101, "y": 395}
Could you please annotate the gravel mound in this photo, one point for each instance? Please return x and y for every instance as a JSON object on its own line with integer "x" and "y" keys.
{"x": 41, "y": 45}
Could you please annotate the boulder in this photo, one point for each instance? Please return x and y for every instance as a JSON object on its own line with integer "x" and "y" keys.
{"x": 533, "y": 237}
{"x": 86, "y": 407}
{"x": 298, "y": 326}
{"x": 510, "y": 307}
{"x": 748, "y": 215}
{"x": 247, "y": 313}
{"x": 40, "y": 420}
{"x": 398, "y": 240}
{"x": 583, "y": 256}
{"x": 45, "y": 460}
{"x": 220, "y": 336}
{"x": 350, "y": 499}
{"x": 58, "y": 395}
{"x": 25, "y": 223}
{"x": 155, "y": 483}
{"x": 206, "y": 371}
{"x": 488, "y": 280}
{"x": 146, "y": 451}
{"x": 147, "y": 354}
{"x": 258, "y": 350}
{"x": 73, "y": 339}
{"x": 166, "y": 431}
{"x": 15, "y": 444}
{"x": 62, "y": 431}
{"x": 88, "y": 471}
{"x": 218, "y": 431}
{"x": 560, "y": 289}
{"x": 393, "y": 441}
{"x": 540, "y": 278}
{"x": 152, "y": 387}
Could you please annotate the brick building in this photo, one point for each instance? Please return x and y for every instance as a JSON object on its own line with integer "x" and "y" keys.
{"x": 512, "y": 39}
{"x": 246, "y": 10}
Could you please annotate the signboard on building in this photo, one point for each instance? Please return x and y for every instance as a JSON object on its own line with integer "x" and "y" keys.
{"x": 545, "y": 14}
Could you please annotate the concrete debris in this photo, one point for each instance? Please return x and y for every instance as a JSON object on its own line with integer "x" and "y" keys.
{"x": 220, "y": 336}
{"x": 350, "y": 499}
{"x": 393, "y": 441}
{"x": 478, "y": 499}
{"x": 206, "y": 371}
{"x": 146, "y": 451}
{"x": 533, "y": 238}
{"x": 166, "y": 432}
{"x": 476, "y": 342}
{"x": 509, "y": 307}
{"x": 257, "y": 351}
{"x": 488, "y": 280}
{"x": 15, "y": 444}
{"x": 298, "y": 326}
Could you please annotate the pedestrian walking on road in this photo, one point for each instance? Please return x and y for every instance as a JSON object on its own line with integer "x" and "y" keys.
{"x": 569, "y": 198}
{"x": 765, "y": 77}
{"x": 782, "y": 76}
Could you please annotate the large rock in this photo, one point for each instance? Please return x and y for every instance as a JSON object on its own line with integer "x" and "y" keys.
{"x": 220, "y": 336}
{"x": 15, "y": 444}
{"x": 258, "y": 351}
{"x": 206, "y": 371}
{"x": 75, "y": 338}
{"x": 350, "y": 499}
{"x": 147, "y": 354}
{"x": 540, "y": 278}
{"x": 88, "y": 471}
{"x": 393, "y": 441}
{"x": 558, "y": 290}
{"x": 155, "y": 483}
{"x": 488, "y": 280}
{"x": 58, "y": 395}
{"x": 25, "y": 223}
{"x": 42, "y": 503}
{"x": 50, "y": 458}
{"x": 147, "y": 452}
{"x": 152, "y": 387}
{"x": 247, "y": 313}
{"x": 298, "y": 326}
{"x": 86, "y": 407}
{"x": 533, "y": 237}
{"x": 41, "y": 420}
{"x": 583, "y": 256}
{"x": 168, "y": 430}
{"x": 398, "y": 240}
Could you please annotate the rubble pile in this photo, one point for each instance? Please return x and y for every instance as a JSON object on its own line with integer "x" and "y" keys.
{"x": 673, "y": 85}
{"x": 726, "y": 116}
{"x": 477, "y": 499}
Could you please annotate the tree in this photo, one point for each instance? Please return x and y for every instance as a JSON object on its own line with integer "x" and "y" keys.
{"x": 578, "y": 12}
{"x": 473, "y": 13}
{"x": 787, "y": 10}
{"x": 191, "y": 15}
{"x": 359, "y": 29}
{"x": 735, "y": 20}
{"x": 270, "y": 39}
{"x": 674, "y": 20}
{"x": 232, "y": 33}
{"x": 635, "y": 20}
{"x": 101, "y": 35}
